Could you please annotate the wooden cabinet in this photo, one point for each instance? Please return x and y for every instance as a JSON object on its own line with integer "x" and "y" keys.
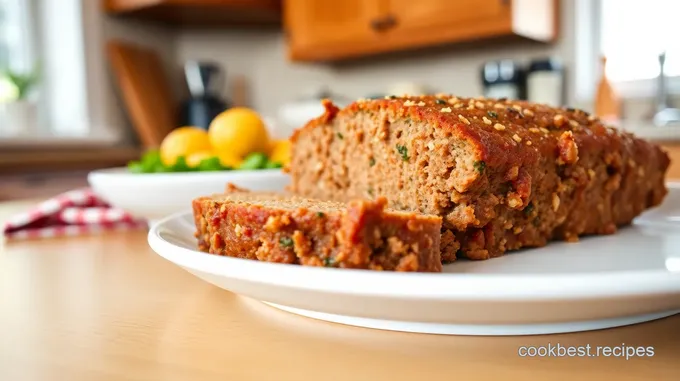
{"x": 238, "y": 13}
{"x": 435, "y": 21}
{"x": 337, "y": 30}
{"x": 320, "y": 28}
{"x": 431, "y": 15}
{"x": 337, "y": 24}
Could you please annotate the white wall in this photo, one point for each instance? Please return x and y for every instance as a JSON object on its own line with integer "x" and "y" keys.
{"x": 261, "y": 57}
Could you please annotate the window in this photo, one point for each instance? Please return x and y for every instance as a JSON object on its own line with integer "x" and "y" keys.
{"x": 16, "y": 39}
{"x": 631, "y": 34}
{"x": 19, "y": 109}
{"x": 4, "y": 47}
{"x": 64, "y": 39}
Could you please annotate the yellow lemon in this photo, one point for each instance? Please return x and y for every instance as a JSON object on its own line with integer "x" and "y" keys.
{"x": 183, "y": 141}
{"x": 272, "y": 145}
{"x": 280, "y": 152}
{"x": 238, "y": 132}
{"x": 229, "y": 160}
{"x": 194, "y": 159}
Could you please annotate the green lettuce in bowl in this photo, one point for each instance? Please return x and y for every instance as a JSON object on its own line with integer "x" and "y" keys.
{"x": 151, "y": 162}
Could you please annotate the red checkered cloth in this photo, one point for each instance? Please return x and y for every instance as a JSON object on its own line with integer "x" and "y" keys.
{"x": 72, "y": 213}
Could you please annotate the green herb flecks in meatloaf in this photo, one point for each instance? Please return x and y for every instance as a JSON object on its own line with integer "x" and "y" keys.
{"x": 502, "y": 174}
{"x": 289, "y": 229}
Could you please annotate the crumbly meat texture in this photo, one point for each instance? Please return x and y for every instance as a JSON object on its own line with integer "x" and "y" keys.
{"x": 502, "y": 174}
{"x": 288, "y": 229}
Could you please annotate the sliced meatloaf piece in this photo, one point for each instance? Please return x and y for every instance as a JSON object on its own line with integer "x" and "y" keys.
{"x": 290, "y": 229}
{"x": 502, "y": 174}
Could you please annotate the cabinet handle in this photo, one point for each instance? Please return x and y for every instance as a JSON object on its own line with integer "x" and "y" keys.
{"x": 377, "y": 25}
{"x": 390, "y": 21}
{"x": 383, "y": 23}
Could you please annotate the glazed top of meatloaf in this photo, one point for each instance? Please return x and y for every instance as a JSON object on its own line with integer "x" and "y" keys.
{"x": 499, "y": 127}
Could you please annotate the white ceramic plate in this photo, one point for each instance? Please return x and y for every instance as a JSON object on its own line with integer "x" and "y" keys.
{"x": 599, "y": 282}
{"x": 157, "y": 195}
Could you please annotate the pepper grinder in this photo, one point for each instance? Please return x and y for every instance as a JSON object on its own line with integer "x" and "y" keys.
{"x": 204, "y": 81}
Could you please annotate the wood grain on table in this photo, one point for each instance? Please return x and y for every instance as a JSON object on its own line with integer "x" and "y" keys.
{"x": 105, "y": 307}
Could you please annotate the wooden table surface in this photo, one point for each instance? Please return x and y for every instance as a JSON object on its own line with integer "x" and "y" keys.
{"x": 105, "y": 307}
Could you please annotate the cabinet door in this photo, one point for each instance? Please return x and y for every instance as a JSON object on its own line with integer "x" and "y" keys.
{"x": 449, "y": 20}
{"x": 317, "y": 28}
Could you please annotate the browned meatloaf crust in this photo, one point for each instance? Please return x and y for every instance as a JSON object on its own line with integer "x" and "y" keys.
{"x": 502, "y": 174}
{"x": 289, "y": 229}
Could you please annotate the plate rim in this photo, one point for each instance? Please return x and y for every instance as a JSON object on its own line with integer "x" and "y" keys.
{"x": 441, "y": 286}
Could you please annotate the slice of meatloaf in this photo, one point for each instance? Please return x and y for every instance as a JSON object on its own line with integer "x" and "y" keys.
{"x": 502, "y": 174}
{"x": 290, "y": 229}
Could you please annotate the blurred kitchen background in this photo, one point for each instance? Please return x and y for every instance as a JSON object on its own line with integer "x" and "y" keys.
{"x": 89, "y": 84}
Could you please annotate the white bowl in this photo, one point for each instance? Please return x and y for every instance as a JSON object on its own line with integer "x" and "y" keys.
{"x": 156, "y": 195}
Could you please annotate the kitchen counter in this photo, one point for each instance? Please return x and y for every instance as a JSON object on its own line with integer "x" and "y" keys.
{"x": 105, "y": 307}
{"x": 20, "y": 159}
{"x": 673, "y": 150}
{"x": 653, "y": 133}
{"x": 42, "y": 169}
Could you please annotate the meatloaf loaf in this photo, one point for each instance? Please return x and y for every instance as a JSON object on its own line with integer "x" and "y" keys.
{"x": 503, "y": 174}
{"x": 289, "y": 229}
